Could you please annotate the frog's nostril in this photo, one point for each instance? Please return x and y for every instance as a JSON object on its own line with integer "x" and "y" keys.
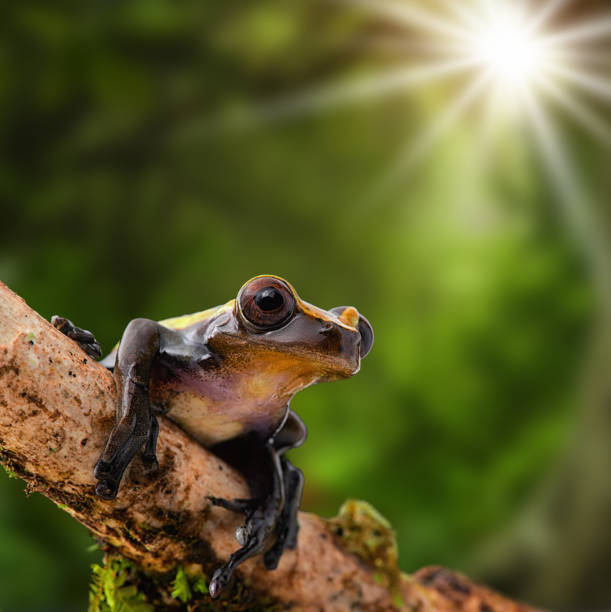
{"x": 366, "y": 332}
{"x": 351, "y": 316}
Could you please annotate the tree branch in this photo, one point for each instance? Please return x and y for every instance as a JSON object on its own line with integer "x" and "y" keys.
{"x": 56, "y": 409}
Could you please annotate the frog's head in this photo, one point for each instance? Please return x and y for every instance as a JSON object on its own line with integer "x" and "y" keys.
{"x": 270, "y": 327}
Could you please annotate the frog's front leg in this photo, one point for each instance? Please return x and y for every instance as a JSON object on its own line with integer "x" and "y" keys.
{"x": 136, "y": 425}
{"x": 292, "y": 434}
{"x": 287, "y": 525}
{"x": 277, "y": 487}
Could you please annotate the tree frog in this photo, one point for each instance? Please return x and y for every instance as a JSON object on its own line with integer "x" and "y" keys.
{"x": 226, "y": 376}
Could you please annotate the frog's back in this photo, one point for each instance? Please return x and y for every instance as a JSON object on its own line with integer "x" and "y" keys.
{"x": 183, "y": 321}
{"x": 195, "y": 320}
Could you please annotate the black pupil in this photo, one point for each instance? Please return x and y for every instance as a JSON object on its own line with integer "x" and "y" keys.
{"x": 269, "y": 299}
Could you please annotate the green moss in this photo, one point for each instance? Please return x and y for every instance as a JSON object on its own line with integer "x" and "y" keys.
{"x": 187, "y": 586}
{"x": 180, "y": 587}
{"x": 200, "y": 585}
{"x": 119, "y": 585}
{"x": 9, "y": 472}
{"x": 365, "y": 533}
{"x": 111, "y": 590}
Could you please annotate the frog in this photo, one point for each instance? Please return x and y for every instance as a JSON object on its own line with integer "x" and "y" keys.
{"x": 226, "y": 376}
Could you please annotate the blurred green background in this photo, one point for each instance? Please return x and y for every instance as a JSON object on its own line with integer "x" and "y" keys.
{"x": 144, "y": 175}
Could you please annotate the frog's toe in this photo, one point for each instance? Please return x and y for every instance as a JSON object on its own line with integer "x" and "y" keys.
{"x": 106, "y": 489}
{"x": 151, "y": 463}
{"x": 291, "y": 539}
{"x": 93, "y": 349}
{"x": 272, "y": 557}
{"x": 107, "y": 486}
{"x": 219, "y": 580}
{"x": 286, "y": 538}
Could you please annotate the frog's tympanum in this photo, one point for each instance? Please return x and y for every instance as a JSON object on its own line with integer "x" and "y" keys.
{"x": 226, "y": 376}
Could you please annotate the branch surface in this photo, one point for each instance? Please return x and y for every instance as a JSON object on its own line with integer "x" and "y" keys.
{"x": 56, "y": 408}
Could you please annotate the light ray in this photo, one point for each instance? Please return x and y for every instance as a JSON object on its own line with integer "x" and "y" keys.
{"x": 595, "y": 124}
{"x": 489, "y": 10}
{"x": 444, "y": 122}
{"x": 467, "y": 17}
{"x": 546, "y": 12}
{"x": 430, "y": 48}
{"x": 584, "y": 80}
{"x": 556, "y": 163}
{"x": 493, "y": 105}
{"x": 570, "y": 193}
{"x": 409, "y": 15}
{"x": 415, "y": 151}
{"x": 361, "y": 89}
{"x": 583, "y": 56}
{"x": 589, "y": 31}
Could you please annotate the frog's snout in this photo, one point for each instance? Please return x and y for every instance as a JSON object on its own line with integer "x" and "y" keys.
{"x": 351, "y": 316}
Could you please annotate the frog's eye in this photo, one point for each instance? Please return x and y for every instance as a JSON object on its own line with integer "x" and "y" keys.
{"x": 266, "y": 302}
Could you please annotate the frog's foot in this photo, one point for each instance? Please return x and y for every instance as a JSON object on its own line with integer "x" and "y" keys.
{"x": 85, "y": 339}
{"x": 252, "y": 537}
{"x": 126, "y": 440}
{"x": 110, "y": 473}
{"x": 270, "y": 525}
{"x": 265, "y": 519}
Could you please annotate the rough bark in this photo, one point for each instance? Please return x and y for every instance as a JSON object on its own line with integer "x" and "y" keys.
{"x": 56, "y": 408}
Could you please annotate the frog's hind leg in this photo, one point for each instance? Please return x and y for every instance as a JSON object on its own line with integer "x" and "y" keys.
{"x": 277, "y": 488}
{"x": 85, "y": 339}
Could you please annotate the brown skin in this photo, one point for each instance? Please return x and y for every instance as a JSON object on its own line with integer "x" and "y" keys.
{"x": 226, "y": 376}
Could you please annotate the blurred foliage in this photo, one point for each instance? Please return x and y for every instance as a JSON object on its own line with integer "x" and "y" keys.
{"x": 139, "y": 178}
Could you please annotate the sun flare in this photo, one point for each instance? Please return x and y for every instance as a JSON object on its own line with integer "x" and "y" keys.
{"x": 508, "y": 48}
{"x": 510, "y": 51}
{"x": 513, "y": 58}
{"x": 527, "y": 57}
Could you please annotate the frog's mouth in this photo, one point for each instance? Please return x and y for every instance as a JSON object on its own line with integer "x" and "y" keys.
{"x": 350, "y": 316}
